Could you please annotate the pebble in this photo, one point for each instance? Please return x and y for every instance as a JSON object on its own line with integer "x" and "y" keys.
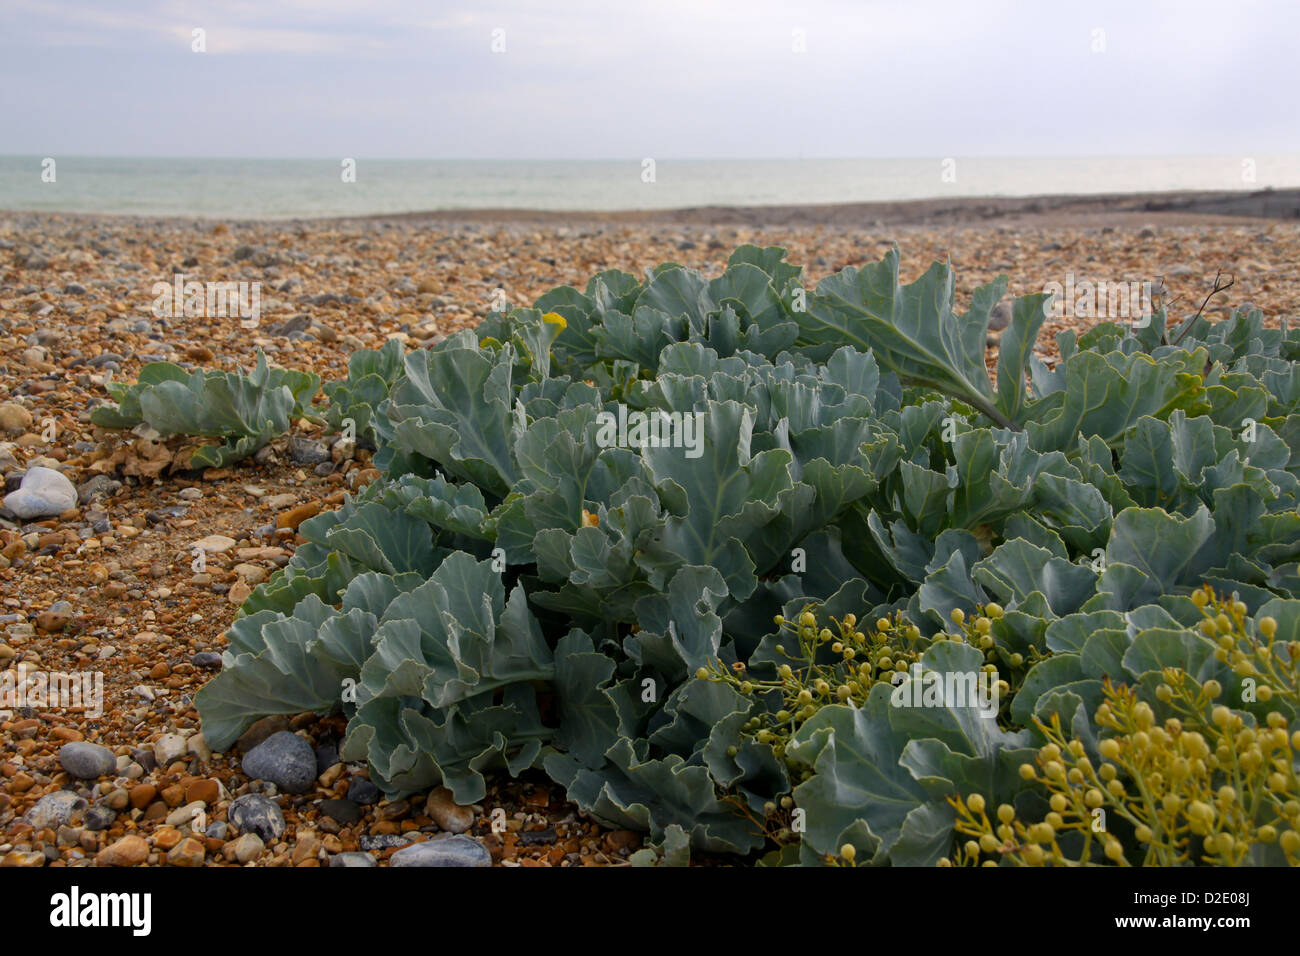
{"x": 248, "y": 847}
{"x": 97, "y": 485}
{"x": 254, "y": 813}
{"x": 260, "y": 730}
{"x": 99, "y": 818}
{"x": 43, "y": 493}
{"x": 284, "y": 759}
{"x": 344, "y": 811}
{"x": 353, "y": 859}
{"x": 295, "y": 516}
{"x": 87, "y": 761}
{"x": 214, "y": 544}
{"x": 14, "y": 418}
{"x": 446, "y": 813}
{"x": 327, "y": 755}
{"x": 197, "y": 746}
{"x": 203, "y": 791}
{"x": 145, "y": 758}
{"x": 307, "y": 451}
{"x": 362, "y": 792}
{"x": 55, "y": 809}
{"x": 56, "y": 617}
{"x": 382, "y": 841}
{"x": 452, "y": 851}
{"x": 189, "y": 852}
{"x": 128, "y": 851}
{"x": 182, "y": 816}
{"x": 169, "y": 749}
{"x": 23, "y": 858}
{"x": 1001, "y": 316}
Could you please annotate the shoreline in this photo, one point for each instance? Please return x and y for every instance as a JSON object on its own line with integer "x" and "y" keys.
{"x": 1173, "y": 208}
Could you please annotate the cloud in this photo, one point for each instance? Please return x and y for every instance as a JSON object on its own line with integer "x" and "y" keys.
{"x": 588, "y": 78}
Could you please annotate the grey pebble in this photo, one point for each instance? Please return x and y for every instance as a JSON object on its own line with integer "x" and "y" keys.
{"x": 327, "y": 755}
{"x": 453, "y": 851}
{"x": 307, "y": 451}
{"x": 284, "y": 759}
{"x": 344, "y": 811}
{"x": 145, "y": 758}
{"x": 352, "y": 859}
{"x": 362, "y": 792}
{"x": 217, "y": 830}
{"x": 55, "y": 809}
{"x": 382, "y": 841}
{"x": 44, "y": 493}
{"x": 87, "y": 761}
{"x": 254, "y": 813}
{"x": 100, "y": 818}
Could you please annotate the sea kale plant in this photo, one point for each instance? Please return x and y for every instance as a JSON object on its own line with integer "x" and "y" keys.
{"x": 244, "y": 411}
{"x": 783, "y": 572}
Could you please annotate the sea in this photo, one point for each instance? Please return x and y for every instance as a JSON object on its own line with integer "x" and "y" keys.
{"x": 357, "y": 186}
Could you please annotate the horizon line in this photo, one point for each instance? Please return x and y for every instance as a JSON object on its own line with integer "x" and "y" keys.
{"x": 637, "y": 159}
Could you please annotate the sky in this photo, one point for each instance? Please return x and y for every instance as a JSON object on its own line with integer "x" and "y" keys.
{"x": 605, "y": 79}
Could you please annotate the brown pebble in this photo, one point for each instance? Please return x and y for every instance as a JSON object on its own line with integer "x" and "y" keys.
{"x": 448, "y": 815}
{"x": 622, "y": 840}
{"x": 128, "y": 851}
{"x": 189, "y": 852}
{"x": 205, "y": 790}
{"x": 164, "y": 838}
{"x": 264, "y": 728}
{"x": 296, "y": 516}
